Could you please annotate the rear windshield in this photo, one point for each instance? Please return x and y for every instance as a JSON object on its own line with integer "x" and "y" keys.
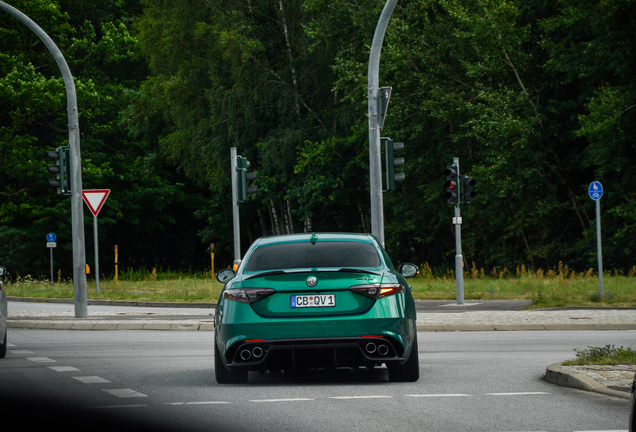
{"x": 307, "y": 255}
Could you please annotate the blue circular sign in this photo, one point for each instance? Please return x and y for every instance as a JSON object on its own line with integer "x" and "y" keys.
{"x": 595, "y": 190}
{"x": 50, "y": 237}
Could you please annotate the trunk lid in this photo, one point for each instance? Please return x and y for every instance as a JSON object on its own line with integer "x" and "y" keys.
{"x": 313, "y": 293}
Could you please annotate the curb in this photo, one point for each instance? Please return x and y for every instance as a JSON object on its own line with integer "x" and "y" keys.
{"x": 520, "y": 327}
{"x": 67, "y": 325}
{"x": 185, "y": 324}
{"x": 113, "y": 302}
{"x": 554, "y": 374}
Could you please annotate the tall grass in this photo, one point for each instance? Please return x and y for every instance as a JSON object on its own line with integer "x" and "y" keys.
{"x": 132, "y": 285}
{"x": 552, "y": 288}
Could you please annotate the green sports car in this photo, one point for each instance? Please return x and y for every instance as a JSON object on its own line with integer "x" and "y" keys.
{"x": 322, "y": 300}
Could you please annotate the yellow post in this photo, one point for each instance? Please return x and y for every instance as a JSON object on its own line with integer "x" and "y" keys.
{"x": 212, "y": 257}
{"x": 116, "y": 264}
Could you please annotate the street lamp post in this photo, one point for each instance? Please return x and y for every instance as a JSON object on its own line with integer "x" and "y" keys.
{"x": 375, "y": 156}
{"x": 77, "y": 218}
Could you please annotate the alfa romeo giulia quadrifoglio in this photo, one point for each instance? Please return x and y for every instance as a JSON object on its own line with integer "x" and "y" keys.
{"x": 318, "y": 300}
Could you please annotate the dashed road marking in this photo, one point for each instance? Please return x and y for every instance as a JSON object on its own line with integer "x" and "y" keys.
{"x": 439, "y": 395}
{"x": 64, "y": 368}
{"x": 91, "y": 380}
{"x": 117, "y": 406}
{"x": 41, "y": 360}
{"x": 517, "y": 393}
{"x": 362, "y": 397}
{"x": 20, "y": 352}
{"x": 283, "y": 400}
{"x": 197, "y": 403}
{"x": 125, "y": 393}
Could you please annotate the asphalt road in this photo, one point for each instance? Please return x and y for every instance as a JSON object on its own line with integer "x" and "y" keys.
{"x": 476, "y": 381}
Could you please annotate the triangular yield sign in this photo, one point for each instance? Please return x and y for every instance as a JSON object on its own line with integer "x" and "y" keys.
{"x": 95, "y": 199}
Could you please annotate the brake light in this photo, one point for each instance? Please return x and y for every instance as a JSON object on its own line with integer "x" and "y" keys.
{"x": 377, "y": 291}
{"x": 248, "y": 295}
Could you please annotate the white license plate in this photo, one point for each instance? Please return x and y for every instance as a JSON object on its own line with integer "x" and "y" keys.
{"x": 314, "y": 300}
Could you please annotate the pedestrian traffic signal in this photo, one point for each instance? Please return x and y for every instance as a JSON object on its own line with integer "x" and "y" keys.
{"x": 467, "y": 190}
{"x": 62, "y": 169}
{"x": 391, "y": 162}
{"x": 452, "y": 185}
{"x": 242, "y": 176}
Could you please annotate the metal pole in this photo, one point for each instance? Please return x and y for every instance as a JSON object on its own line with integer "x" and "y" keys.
{"x": 459, "y": 259}
{"x": 598, "y": 247}
{"x": 51, "y": 265}
{"x": 375, "y": 156}
{"x": 235, "y": 207}
{"x": 96, "y": 254}
{"x": 77, "y": 220}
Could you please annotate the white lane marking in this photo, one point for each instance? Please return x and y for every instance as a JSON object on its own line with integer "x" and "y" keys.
{"x": 196, "y": 403}
{"x": 117, "y": 406}
{"x": 91, "y": 380}
{"x": 283, "y": 400}
{"x": 64, "y": 368}
{"x": 517, "y": 393}
{"x": 440, "y": 395}
{"x": 41, "y": 360}
{"x": 361, "y": 397}
{"x": 20, "y": 352}
{"x": 621, "y": 430}
{"x": 125, "y": 393}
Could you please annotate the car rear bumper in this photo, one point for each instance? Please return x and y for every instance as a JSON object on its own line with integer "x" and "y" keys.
{"x": 316, "y": 343}
{"x": 314, "y": 353}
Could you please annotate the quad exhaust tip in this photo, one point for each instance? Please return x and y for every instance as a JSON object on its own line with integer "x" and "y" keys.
{"x": 382, "y": 349}
{"x": 256, "y": 352}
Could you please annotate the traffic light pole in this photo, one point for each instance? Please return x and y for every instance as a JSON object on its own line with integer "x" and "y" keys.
{"x": 77, "y": 217}
{"x": 375, "y": 155}
{"x": 235, "y": 207}
{"x": 459, "y": 259}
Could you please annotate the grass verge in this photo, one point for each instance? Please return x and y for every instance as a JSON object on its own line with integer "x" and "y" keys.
{"x": 555, "y": 288}
{"x": 607, "y": 355}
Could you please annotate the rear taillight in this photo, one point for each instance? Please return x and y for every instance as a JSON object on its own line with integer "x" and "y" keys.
{"x": 248, "y": 295}
{"x": 377, "y": 291}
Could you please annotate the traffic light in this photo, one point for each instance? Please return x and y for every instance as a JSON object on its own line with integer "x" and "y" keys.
{"x": 242, "y": 177}
{"x": 391, "y": 162}
{"x": 452, "y": 185}
{"x": 467, "y": 190}
{"x": 62, "y": 169}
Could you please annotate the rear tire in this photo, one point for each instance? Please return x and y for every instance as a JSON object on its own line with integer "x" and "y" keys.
{"x": 409, "y": 371}
{"x": 3, "y": 347}
{"x": 225, "y": 376}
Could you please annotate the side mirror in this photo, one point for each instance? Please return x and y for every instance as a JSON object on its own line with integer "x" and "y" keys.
{"x": 3, "y": 272}
{"x": 408, "y": 270}
{"x": 225, "y": 275}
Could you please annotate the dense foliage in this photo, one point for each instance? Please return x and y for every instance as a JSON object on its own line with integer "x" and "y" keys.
{"x": 536, "y": 99}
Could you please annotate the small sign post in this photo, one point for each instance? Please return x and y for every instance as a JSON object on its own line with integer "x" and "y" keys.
{"x": 596, "y": 192}
{"x": 212, "y": 258}
{"x": 95, "y": 199}
{"x": 50, "y": 243}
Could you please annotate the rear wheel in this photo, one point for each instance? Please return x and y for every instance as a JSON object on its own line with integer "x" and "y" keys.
{"x": 225, "y": 376}
{"x": 409, "y": 371}
{"x": 3, "y": 347}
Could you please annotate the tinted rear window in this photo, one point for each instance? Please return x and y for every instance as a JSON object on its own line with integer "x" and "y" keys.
{"x": 307, "y": 255}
